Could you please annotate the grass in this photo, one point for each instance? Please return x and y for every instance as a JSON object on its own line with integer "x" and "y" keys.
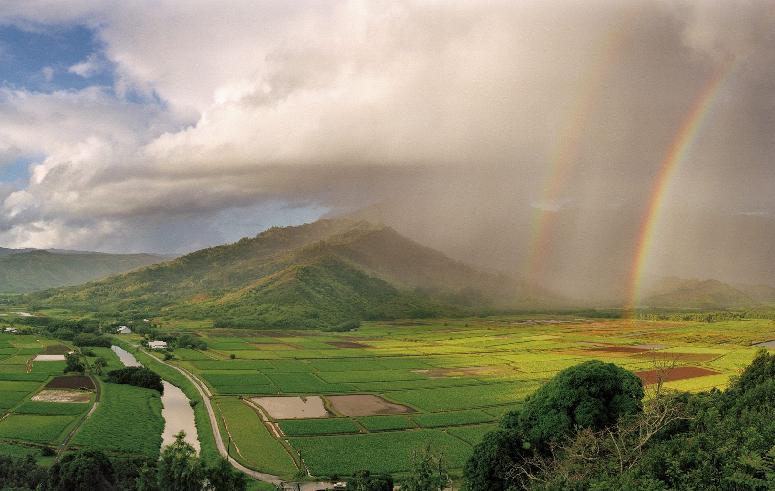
{"x": 457, "y": 418}
{"x": 51, "y": 408}
{"x": 252, "y": 442}
{"x": 472, "y": 434}
{"x": 378, "y": 452}
{"x": 325, "y": 426}
{"x": 384, "y": 423}
{"x": 34, "y": 428}
{"x": 127, "y": 420}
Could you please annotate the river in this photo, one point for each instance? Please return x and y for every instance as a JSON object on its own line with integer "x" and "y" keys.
{"x": 177, "y": 412}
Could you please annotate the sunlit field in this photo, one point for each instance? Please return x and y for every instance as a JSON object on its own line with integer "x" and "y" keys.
{"x": 440, "y": 382}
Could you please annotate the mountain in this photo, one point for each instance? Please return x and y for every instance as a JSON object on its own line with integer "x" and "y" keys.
{"x": 676, "y": 293}
{"x": 314, "y": 275}
{"x": 761, "y": 293}
{"x": 26, "y": 270}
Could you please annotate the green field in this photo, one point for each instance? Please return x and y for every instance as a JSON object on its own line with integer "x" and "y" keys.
{"x": 127, "y": 420}
{"x": 456, "y": 377}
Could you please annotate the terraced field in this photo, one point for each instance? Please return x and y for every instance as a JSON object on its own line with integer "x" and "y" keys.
{"x": 29, "y": 422}
{"x": 441, "y": 382}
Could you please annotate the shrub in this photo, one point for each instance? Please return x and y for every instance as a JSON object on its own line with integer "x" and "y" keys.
{"x": 137, "y": 376}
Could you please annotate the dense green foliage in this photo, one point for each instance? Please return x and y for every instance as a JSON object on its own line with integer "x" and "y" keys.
{"x": 20, "y": 473}
{"x": 712, "y": 441}
{"x": 366, "y": 481}
{"x": 88, "y": 339}
{"x": 88, "y": 470}
{"x": 137, "y": 376}
{"x": 591, "y": 395}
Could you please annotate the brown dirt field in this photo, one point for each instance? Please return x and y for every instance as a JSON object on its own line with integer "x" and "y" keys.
{"x": 62, "y": 396}
{"x": 366, "y": 405}
{"x": 71, "y": 382}
{"x": 346, "y": 344}
{"x": 660, "y": 355}
{"x": 678, "y": 373}
{"x": 55, "y": 349}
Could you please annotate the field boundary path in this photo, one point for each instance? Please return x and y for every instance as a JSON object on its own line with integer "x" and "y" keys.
{"x": 261, "y": 476}
{"x": 74, "y": 431}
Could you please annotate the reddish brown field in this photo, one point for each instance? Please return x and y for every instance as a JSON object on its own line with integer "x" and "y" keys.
{"x": 71, "y": 382}
{"x": 658, "y": 355}
{"x": 678, "y": 373}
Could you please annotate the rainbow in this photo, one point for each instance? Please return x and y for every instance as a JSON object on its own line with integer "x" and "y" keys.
{"x": 564, "y": 155}
{"x": 676, "y": 154}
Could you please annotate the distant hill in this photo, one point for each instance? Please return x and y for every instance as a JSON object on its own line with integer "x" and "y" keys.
{"x": 27, "y": 270}
{"x": 677, "y": 293}
{"x": 314, "y": 275}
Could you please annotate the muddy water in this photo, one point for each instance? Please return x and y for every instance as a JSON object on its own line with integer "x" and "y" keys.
{"x": 177, "y": 412}
{"x": 126, "y": 357}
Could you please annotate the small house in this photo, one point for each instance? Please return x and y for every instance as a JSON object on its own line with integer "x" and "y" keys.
{"x": 12, "y": 330}
{"x": 123, "y": 330}
{"x": 157, "y": 344}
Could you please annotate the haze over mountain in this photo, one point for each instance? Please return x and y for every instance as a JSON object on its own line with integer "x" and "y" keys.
{"x": 680, "y": 293}
{"x": 318, "y": 274}
{"x": 27, "y": 270}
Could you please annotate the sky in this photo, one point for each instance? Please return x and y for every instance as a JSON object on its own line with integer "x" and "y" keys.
{"x": 524, "y": 137}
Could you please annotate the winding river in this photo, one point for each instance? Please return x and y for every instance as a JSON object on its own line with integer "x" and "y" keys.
{"x": 177, "y": 412}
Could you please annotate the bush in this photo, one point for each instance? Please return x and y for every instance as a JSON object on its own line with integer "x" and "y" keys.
{"x": 87, "y": 339}
{"x": 137, "y": 376}
{"x": 73, "y": 363}
{"x": 346, "y": 326}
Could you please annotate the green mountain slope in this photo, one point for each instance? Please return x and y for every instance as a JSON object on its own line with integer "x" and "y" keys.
{"x": 29, "y": 270}
{"x": 698, "y": 294}
{"x": 318, "y": 274}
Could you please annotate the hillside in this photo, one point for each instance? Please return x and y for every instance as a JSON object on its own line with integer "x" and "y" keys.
{"x": 27, "y": 270}
{"x": 318, "y": 274}
{"x": 677, "y": 293}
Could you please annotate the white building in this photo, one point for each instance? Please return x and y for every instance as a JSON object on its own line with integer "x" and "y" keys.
{"x": 11, "y": 330}
{"x": 157, "y": 344}
{"x": 123, "y": 330}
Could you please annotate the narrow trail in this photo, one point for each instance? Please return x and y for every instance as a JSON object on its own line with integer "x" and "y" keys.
{"x": 261, "y": 476}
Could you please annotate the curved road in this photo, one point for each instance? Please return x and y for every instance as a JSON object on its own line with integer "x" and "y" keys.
{"x": 261, "y": 476}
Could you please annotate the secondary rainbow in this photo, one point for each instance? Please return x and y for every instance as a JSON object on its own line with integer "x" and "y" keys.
{"x": 676, "y": 154}
{"x": 564, "y": 155}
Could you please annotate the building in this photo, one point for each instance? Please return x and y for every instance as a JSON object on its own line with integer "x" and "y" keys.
{"x": 123, "y": 330}
{"x": 157, "y": 344}
{"x": 12, "y": 330}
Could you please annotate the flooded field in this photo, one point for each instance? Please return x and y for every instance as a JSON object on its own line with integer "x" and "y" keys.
{"x": 126, "y": 357}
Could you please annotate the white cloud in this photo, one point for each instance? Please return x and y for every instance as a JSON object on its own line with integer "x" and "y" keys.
{"x": 48, "y": 73}
{"x": 87, "y": 68}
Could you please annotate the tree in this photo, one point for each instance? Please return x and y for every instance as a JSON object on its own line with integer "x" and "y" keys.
{"x": 99, "y": 364}
{"x": 73, "y": 363}
{"x": 87, "y": 470}
{"x": 21, "y": 473}
{"x": 428, "y": 472}
{"x": 223, "y": 477}
{"x": 591, "y": 395}
{"x": 179, "y": 469}
{"x": 366, "y": 481}
{"x": 137, "y": 376}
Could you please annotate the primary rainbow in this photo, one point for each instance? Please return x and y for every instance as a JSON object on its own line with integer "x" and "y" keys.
{"x": 677, "y": 152}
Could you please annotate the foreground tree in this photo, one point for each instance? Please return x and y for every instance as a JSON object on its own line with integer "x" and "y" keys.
{"x": 366, "y": 481}
{"x": 428, "y": 472}
{"x": 592, "y": 395}
{"x": 87, "y": 470}
{"x": 223, "y": 477}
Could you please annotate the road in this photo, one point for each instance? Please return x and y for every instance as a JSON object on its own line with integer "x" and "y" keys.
{"x": 261, "y": 476}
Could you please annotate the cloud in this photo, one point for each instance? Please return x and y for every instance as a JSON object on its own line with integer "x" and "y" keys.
{"x": 48, "y": 73}
{"x": 87, "y": 68}
{"x": 459, "y": 108}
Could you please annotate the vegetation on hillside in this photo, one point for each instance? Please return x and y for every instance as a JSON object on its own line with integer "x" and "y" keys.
{"x": 32, "y": 270}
